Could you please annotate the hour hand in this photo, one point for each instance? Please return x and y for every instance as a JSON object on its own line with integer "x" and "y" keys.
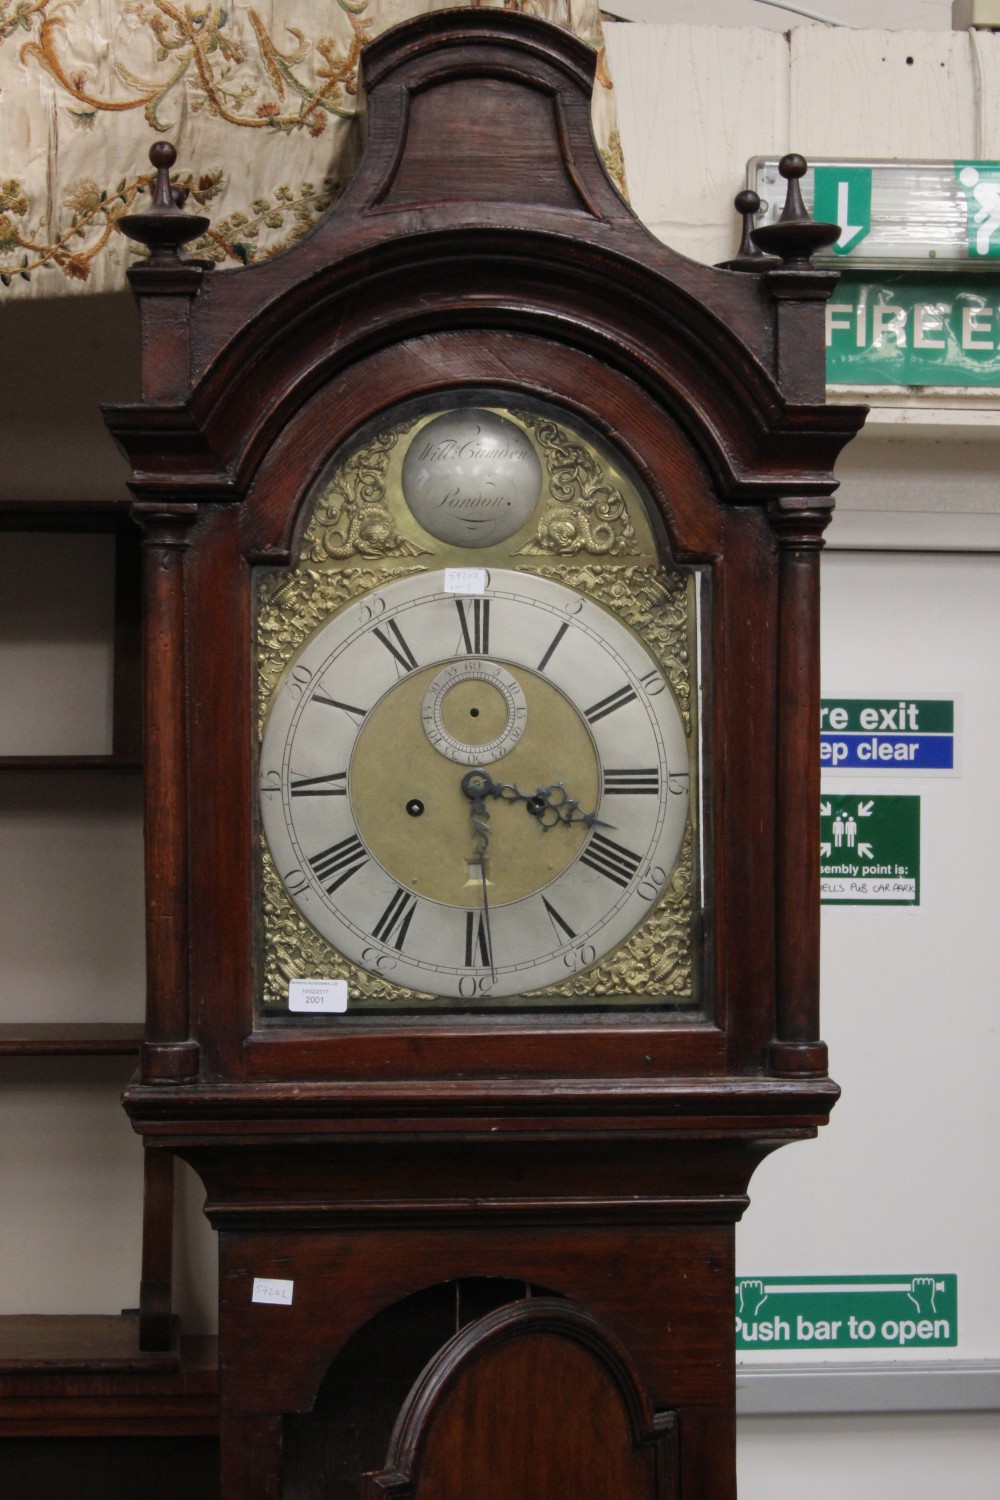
{"x": 550, "y": 805}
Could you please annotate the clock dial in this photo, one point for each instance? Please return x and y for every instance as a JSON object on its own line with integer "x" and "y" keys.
{"x": 474, "y": 797}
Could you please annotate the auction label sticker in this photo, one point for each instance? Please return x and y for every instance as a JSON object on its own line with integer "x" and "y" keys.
{"x": 272, "y": 1289}
{"x": 466, "y": 580}
{"x": 317, "y": 996}
{"x": 869, "y": 850}
{"x": 846, "y": 1312}
{"x": 888, "y": 735}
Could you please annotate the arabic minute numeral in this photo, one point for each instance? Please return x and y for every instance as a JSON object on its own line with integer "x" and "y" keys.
{"x": 373, "y": 958}
{"x": 654, "y": 878}
{"x": 370, "y": 609}
{"x": 298, "y": 680}
{"x": 474, "y": 986}
{"x": 612, "y": 860}
{"x": 581, "y": 957}
{"x": 653, "y": 683}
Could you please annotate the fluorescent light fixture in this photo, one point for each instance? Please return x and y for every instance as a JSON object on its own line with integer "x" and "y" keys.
{"x": 896, "y": 213}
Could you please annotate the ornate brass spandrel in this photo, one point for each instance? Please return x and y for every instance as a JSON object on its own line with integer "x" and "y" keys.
{"x": 588, "y": 507}
{"x": 293, "y": 949}
{"x": 587, "y": 511}
{"x": 656, "y": 961}
{"x": 291, "y": 606}
{"x": 351, "y": 516}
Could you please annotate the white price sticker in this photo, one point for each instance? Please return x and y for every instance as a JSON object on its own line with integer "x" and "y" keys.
{"x": 317, "y": 995}
{"x": 272, "y": 1289}
{"x": 466, "y": 580}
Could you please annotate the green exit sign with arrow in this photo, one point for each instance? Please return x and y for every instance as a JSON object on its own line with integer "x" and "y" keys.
{"x": 919, "y": 246}
{"x": 843, "y": 195}
{"x": 896, "y": 213}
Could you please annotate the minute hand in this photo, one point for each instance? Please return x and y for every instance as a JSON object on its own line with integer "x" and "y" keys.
{"x": 476, "y": 785}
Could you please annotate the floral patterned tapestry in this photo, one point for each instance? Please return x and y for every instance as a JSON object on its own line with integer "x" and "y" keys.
{"x": 259, "y": 99}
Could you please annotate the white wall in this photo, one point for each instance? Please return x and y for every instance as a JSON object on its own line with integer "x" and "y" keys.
{"x": 905, "y": 1179}
{"x": 912, "y": 1172}
{"x": 869, "y": 1458}
{"x": 696, "y": 102}
{"x": 913, "y": 15}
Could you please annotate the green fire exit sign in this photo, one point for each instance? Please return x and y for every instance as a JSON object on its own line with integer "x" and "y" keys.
{"x": 910, "y": 1311}
{"x": 894, "y": 328}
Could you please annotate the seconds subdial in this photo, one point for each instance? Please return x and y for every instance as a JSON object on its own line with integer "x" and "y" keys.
{"x": 474, "y": 712}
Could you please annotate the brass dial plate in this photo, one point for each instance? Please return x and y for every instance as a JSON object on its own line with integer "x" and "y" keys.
{"x": 345, "y": 758}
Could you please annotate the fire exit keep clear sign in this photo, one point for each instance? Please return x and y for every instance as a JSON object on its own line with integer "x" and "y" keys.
{"x": 887, "y": 734}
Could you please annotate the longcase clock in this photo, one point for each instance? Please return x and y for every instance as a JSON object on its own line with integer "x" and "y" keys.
{"x": 481, "y": 666}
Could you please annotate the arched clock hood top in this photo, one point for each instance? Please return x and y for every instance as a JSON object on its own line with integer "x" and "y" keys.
{"x": 456, "y": 217}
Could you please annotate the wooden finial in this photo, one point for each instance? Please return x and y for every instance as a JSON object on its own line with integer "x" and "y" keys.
{"x": 748, "y": 257}
{"x": 165, "y": 227}
{"x": 795, "y": 236}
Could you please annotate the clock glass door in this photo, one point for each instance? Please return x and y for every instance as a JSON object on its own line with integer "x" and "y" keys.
{"x": 480, "y": 739}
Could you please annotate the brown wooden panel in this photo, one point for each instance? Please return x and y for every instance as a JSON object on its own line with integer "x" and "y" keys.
{"x": 374, "y": 1159}
{"x": 110, "y": 1468}
{"x": 528, "y": 169}
{"x": 157, "y": 1324}
{"x": 536, "y": 1400}
{"x": 85, "y": 1377}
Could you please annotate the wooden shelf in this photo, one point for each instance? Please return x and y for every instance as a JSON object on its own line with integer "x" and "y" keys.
{"x": 64, "y": 515}
{"x": 70, "y": 1039}
{"x": 93, "y": 1343}
{"x": 86, "y": 1377}
{"x": 62, "y": 764}
{"x": 34, "y": 764}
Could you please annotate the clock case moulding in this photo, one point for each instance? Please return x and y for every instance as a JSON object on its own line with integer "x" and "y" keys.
{"x": 447, "y": 265}
{"x": 605, "y": 1162}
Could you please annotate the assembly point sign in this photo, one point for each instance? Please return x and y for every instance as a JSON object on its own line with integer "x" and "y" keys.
{"x": 778, "y": 1313}
{"x": 869, "y": 850}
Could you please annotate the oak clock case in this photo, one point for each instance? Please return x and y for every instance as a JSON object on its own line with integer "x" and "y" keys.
{"x": 479, "y": 755}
